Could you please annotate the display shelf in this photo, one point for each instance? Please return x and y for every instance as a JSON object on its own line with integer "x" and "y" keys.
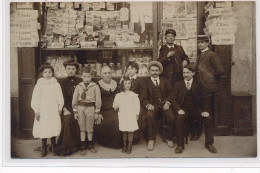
{"x": 98, "y": 77}
{"x": 96, "y": 49}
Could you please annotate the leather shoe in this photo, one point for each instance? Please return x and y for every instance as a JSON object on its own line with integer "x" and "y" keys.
{"x": 150, "y": 145}
{"x": 194, "y": 137}
{"x": 179, "y": 149}
{"x": 211, "y": 148}
{"x": 170, "y": 143}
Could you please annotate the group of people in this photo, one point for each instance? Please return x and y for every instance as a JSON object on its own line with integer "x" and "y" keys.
{"x": 116, "y": 114}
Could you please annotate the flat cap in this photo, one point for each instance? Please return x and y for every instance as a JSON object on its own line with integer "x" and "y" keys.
{"x": 170, "y": 31}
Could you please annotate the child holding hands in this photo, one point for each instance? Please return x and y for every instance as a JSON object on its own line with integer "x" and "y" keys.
{"x": 86, "y": 105}
{"x": 128, "y": 106}
{"x": 47, "y": 102}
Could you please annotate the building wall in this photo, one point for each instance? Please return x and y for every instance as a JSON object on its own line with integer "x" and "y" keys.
{"x": 243, "y": 72}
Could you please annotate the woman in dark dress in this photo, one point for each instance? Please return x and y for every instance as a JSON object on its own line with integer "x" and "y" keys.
{"x": 69, "y": 139}
{"x": 107, "y": 128}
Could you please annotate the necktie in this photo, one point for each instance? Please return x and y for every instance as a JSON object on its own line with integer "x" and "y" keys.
{"x": 156, "y": 82}
{"x": 188, "y": 86}
{"x": 171, "y": 49}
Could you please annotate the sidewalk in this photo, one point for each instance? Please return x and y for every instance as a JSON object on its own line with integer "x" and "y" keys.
{"x": 227, "y": 146}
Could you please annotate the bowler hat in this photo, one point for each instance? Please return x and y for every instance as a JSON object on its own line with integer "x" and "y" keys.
{"x": 170, "y": 31}
{"x": 203, "y": 38}
{"x": 71, "y": 62}
{"x": 155, "y": 63}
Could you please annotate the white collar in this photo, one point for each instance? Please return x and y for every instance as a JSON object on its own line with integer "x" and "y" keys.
{"x": 89, "y": 85}
{"x": 158, "y": 79}
{"x": 190, "y": 81}
{"x": 204, "y": 50}
{"x": 170, "y": 46}
{"x": 111, "y": 86}
{"x": 133, "y": 77}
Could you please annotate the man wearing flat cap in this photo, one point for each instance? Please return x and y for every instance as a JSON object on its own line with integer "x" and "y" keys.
{"x": 173, "y": 58}
{"x": 156, "y": 99}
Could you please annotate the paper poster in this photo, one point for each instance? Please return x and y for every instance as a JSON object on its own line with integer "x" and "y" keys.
{"x": 184, "y": 44}
{"x": 24, "y": 28}
{"x": 223, "y": 38}
{"x": 192, "y": 28}
{"x": 191, "y": 9}
{"x": 172, "y": 10}
{"x": 96, "y": 6}
{"x": 124, "y": 14}
{"x": 221, "y": 11}
{"x": 223, "y": 4}
{"x": 24, "y": 5}
{"x": 192, "y": 48}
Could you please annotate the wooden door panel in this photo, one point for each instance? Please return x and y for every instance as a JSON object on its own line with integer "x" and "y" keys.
{"x": 26, "y": 84}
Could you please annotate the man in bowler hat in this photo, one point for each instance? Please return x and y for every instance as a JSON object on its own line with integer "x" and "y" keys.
{"x": 156, "y": 100}
{"x": 173, "y": 58}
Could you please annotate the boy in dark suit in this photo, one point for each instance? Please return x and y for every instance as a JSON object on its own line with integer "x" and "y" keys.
{"x": 191, "y": 101}
{"x": 156, "y": 99}
{"x": 173, "y": 58}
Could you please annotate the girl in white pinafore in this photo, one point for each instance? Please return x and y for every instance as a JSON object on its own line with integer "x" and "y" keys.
{"x": 47, "y": 102}
{"x": 128, "y": 105}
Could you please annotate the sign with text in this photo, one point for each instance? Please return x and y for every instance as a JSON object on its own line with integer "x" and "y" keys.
{"x": 24, "y": 28}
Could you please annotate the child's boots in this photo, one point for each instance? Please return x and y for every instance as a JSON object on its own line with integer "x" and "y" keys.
{"x": 82, "y": 148}
{"x": 124, "y": 147}
{"x": 91, "y": 147}
{"x": 53, "y": 145}
{"x": 44, "y": 147}
{"x": 129, "y": 148}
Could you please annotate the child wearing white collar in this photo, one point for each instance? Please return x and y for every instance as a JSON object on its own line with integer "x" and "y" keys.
{"x": 86, "y": 105}
{"x": 128, "y": 106}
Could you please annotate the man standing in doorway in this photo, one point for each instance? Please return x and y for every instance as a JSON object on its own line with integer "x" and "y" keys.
{"x": 208, "y": 70}
{"x": 173, "y": 58}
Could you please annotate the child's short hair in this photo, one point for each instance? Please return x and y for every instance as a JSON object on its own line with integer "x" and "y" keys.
{"x": 190, "y": 67}
{"x": 86, "y": 70}
{"x": 46, "y": 66}
{"x": 122, "y": 86}
{"x": 133, "y": 64}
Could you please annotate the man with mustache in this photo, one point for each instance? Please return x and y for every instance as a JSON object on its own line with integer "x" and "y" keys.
{"x": 156, "y": 99}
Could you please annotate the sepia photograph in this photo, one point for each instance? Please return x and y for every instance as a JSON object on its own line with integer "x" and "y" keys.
{"x": 143, "y": 79}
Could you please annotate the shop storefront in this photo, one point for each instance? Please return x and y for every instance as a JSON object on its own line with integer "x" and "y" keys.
{"x": 112, "y": 34}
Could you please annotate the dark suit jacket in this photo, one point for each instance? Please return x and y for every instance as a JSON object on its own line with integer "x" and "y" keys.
{"x": 200, "y": 96}
{"x": 137, "y": 85}
{"x": 174, "y": 64}
{"x": 147, "y": 93}
{"x": 208, "y": 69}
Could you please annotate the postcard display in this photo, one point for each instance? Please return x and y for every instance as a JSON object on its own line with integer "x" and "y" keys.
{"x": 182, "y": 17}
{"x": 107, "y": 33}
{"x": 221, "y": 23}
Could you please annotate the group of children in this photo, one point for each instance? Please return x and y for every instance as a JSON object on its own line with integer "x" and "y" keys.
{"x": 47, "y": 103}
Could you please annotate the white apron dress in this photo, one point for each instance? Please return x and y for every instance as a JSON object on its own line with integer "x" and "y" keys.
{"x": 129, "y": 106}
{"x": 47, "y": 99}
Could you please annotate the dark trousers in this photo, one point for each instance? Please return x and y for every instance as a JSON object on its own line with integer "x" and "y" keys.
{"x": 194, "y": 115}
{"x": 152, "y": 121}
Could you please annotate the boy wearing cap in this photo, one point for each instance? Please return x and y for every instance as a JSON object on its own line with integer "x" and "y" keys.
{"x": 156, "y": 99}
{"x": 173, "y": 58}
{"x": 188, "y": 102}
